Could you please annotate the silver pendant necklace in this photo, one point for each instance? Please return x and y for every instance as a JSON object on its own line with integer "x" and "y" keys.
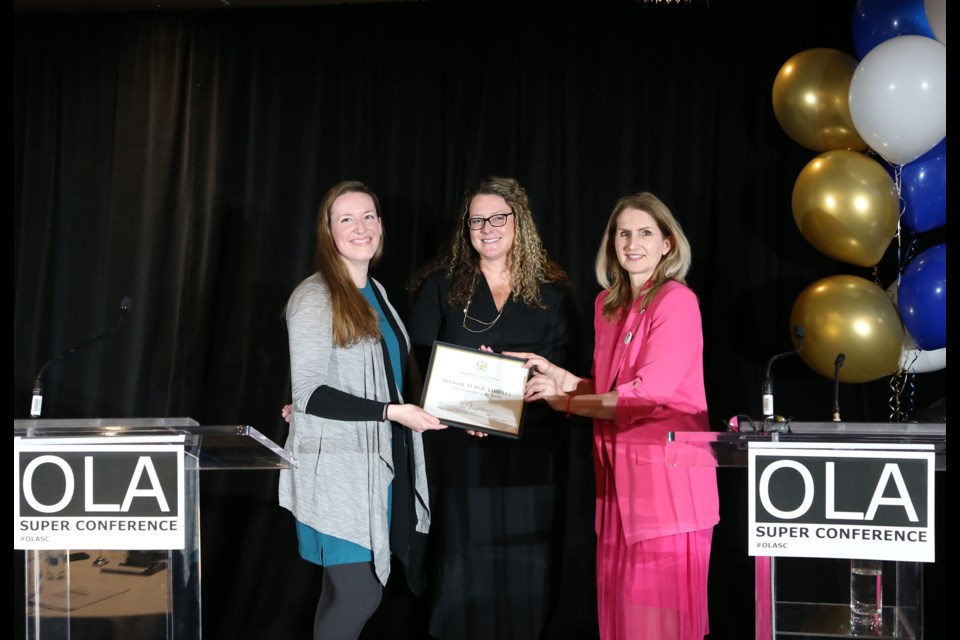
{"x": 486, "y": 325}
{"x": 466, "y": 316}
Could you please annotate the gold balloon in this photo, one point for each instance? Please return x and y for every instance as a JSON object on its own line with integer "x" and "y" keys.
{"x": 811, "y": 100}
{"x": 846, "y": 205}
{"x": 852, "y": 316}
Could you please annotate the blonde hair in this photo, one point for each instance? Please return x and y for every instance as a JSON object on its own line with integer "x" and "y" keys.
{"x": 353, "y": 317}
{"x": 529, "y": 264}
{"x": 672, "y": 266}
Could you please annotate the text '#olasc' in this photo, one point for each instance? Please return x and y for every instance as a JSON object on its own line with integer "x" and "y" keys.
{"x": 842, "y": 533}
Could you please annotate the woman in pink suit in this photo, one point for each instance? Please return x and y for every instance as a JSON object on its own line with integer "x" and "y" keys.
{"x": 654, "y": 517}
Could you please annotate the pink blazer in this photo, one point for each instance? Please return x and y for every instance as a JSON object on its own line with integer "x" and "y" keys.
{"x": 654, "y": 360}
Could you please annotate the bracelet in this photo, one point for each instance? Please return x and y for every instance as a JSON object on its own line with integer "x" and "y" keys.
{"x": 386, "y": 405}
{"x": 569, "y": 398}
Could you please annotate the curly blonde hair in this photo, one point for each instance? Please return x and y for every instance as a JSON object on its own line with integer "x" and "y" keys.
{"x": 530, "y": 266}
{"x": 614, "y": 278}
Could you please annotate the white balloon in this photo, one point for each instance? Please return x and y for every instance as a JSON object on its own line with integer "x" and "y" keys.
{"x": 936, "y": 11}
{"x": 917, "y": 360}
{"x": 898, "y": 97}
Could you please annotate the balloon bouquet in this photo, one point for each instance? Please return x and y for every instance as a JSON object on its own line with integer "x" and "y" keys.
{"x": 888, "y": 106}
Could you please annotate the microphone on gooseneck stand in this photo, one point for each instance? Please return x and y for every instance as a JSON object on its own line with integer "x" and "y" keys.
{"x": 36, "y": 404}
{"x": 836, "y": 386}
{"x": 767, "y": 387}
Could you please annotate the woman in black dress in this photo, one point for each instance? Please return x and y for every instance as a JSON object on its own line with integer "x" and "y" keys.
{"x": 498, "y": 504}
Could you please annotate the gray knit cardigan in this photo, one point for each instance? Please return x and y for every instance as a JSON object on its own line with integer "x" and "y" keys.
{"x": 345, "y": 467}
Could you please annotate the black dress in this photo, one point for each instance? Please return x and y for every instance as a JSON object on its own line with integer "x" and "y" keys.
{"x": 498, "y": 504}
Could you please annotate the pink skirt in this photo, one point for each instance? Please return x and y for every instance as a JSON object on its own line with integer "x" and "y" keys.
{"x": 655, "y": 589}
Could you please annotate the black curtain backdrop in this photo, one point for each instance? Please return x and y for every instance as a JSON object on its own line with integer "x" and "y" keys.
{"x": 178, "y": 157}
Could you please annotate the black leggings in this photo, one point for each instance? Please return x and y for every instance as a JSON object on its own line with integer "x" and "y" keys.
{"x": 350, "y": 594}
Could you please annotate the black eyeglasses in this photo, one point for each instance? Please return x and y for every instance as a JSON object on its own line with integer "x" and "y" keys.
{"x": 770, "y": 424}
{"x": 496, "y": 220}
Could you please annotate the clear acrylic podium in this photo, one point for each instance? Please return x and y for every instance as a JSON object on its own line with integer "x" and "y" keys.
{"x": 107, "y": 594}
{"x": 784, "y": 609}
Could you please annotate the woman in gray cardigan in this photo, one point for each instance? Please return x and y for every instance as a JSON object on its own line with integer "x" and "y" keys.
{"x": 360, "y": 491}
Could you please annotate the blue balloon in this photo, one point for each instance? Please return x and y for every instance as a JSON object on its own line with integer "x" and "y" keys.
{"x": 923, "y": 187}
{"x": 875, "y": 21}
{"x": 922, "y": 298}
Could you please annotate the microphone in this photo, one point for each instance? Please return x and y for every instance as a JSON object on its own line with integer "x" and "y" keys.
{"x": 767, "y": 387}
{"x": 836, "y": 386}
{"x": 36, "y": 404}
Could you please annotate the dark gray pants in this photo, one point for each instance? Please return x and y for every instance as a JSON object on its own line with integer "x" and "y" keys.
{"x": 350, "y": 594}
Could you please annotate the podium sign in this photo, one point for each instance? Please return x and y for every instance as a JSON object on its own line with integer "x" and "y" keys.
{"x": 103, "y": 493}
{"x": 109, "y": 513}
{"x": 836, "y": 500}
